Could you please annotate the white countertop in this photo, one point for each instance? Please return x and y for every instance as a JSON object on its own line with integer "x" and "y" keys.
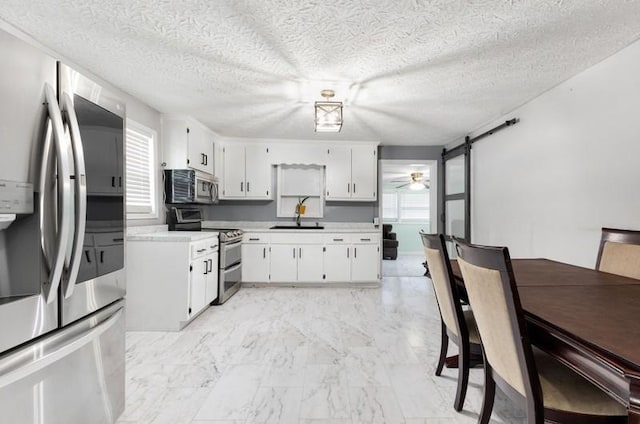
{"x": 329, "y": 227}
{"x": 174, "y": 236}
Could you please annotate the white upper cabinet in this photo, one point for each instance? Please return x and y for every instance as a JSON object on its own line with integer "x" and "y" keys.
{"x": 187, "y": 144}
{"x": 233, "y": 175}
{"x": 246, "y": 171}
{"x": 338, "y": 186}
{"x": 364, "y": 172}
{"x": 258, "y": 171}
{"x": 352, "y": 173}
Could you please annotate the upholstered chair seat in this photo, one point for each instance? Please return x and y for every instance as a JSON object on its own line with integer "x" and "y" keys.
{"x": 564, "y": 390}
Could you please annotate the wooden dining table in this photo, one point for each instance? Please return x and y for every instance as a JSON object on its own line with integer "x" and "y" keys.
{"x": 587, "y": 319}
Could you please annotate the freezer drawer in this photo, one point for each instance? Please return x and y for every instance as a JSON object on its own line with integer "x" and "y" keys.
{"x": 73, "y": 376}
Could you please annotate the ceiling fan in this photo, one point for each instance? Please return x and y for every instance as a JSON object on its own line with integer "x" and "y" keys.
{"x": 416, "y": 181}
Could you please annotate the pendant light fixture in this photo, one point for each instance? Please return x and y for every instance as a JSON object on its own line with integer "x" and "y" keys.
{"x": 328, "y": 113}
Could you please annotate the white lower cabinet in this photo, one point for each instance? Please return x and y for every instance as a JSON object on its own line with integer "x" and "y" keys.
{"x": 296, "y": 258}
{"x": 296, "y": 263}
{"x": 311, "y": 258}
{"x": 337, "y": 258}
{"x": 169, "y": 282}
{"x": 284, "y": 263}
{"x": 365, "y": 262}
{"x": 310, "y": 263}
{"x": 211, "y": 277}
{"x": 197, "y": 286}
{"x": 255, "y": 262}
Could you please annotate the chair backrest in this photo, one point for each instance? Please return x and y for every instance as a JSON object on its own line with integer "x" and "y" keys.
{"x": 443, "y": 284}
{"x": 619, "y": 252}
{"x": 493, "y": 296}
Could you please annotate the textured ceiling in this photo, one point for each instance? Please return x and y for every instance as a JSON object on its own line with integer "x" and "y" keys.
{"x": 409, "y": 71}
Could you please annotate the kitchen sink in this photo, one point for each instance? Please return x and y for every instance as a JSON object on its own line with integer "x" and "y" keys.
{"x": 295, "y": 227}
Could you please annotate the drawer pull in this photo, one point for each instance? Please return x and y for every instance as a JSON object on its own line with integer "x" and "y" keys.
{"x": 367, "y": 239}
{"x": 338, "y": 239}
{"x": 200, "y": 250}
{"x": 254, "y": 238}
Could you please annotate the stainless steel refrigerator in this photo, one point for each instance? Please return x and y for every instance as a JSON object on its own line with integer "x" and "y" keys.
{"x": 62, "y": 224}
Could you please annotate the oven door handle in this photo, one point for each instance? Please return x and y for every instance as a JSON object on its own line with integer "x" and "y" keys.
{"x": 231, "y": 245}
{"x": 233, "y": 268}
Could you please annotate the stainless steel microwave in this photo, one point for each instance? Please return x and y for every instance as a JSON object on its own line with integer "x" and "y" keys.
{"x": 183, "y": 186}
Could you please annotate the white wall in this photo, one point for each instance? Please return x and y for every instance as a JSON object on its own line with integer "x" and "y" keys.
{"x": 546, "y": 186}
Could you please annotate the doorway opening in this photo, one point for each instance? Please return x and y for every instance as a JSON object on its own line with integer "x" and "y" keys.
{"x": 408, "y": 204}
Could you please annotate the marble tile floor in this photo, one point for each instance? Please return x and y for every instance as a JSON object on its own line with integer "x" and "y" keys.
{"x": 305, "y": 355}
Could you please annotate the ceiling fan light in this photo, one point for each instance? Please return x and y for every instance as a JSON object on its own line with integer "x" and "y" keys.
{"x": 328, "y": 116}
{"x": 416, "y": 186}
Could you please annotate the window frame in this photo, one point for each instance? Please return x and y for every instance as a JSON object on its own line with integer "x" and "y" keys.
{"x": 398, "y": 208}
{"x": 147, "y": 132}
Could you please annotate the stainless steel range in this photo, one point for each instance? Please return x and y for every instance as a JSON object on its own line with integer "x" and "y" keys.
{"x": 230, "y": 248}
{"x": 229, "y": 263}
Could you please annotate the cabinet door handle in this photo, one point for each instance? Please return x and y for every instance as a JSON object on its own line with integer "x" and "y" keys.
{"x": 247, "y": 186}
{"x": 294, "y": 253}
{"x": 201, "y": 158}
{"x": 206, "y": 267}
{"x": 348, "y": 188}
{"x": 113, "y": 181}
{"x": 355, "y": 252}
{"x": 86, "y": 253}
{"x": 264, "y": 253}
{"x": 119, "y": 181}
{"x": 210, "y": 265}
{"x": 300, "y": 252}
{"x": 206, "y": 159}
{"x": 347, "y": 252}
{"x": 241, "y": 186}
{"x": 102, "y": 256}
{"x": 354, "y": 188}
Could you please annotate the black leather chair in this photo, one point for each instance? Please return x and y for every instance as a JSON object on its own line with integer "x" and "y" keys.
{"x": 389, "y": 243}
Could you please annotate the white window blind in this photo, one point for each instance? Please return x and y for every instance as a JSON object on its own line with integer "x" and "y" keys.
{"x": 414, "y": 205}
{"x": 390, "y": 206}
{"x": 140, "y": 159}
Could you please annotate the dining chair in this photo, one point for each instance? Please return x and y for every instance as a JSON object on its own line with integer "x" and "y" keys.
{"x": 550, "y": 390}
{"x": 456, "y": 325}
{"x": 619, "y": 252}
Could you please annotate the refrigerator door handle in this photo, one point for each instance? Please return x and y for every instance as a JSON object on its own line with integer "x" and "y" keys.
{"x": 64, "y": 344}
{"x": 55, "y": 258}
{"x": 72, "y": 262}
